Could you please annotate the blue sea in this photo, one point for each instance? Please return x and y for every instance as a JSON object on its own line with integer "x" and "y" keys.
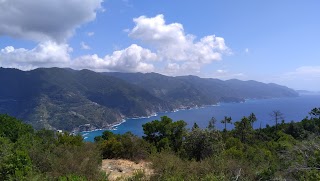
{"x": 293, "y": 109}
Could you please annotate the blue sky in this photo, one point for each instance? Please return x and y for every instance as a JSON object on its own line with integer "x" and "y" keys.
{"x": 268, "y": 41}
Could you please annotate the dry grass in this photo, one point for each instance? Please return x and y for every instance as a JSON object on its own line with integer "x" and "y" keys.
{"x": 119, "y": 169}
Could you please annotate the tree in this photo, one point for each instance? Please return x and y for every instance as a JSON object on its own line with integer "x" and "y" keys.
{"x": 161, "y": 133}
{"x": 277, "y": 116}
{"x": 200, "y": 144}
{"x": 243, "y": 129}
{"x": 315, "y": 112}
{"x": 195, "y": 126}
{"x": 225, "y": 121}
{"x": 252, "y": 118}
{"x": 212, "y": 123}
{"x": 68, "y": 139}
{"x": 13, "y": 128}
{"x": 106, "y": 135}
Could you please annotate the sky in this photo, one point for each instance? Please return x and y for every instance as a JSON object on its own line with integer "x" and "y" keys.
{"x": 268, "y": 41}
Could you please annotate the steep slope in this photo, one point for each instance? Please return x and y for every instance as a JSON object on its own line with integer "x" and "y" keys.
{"x": 58, "y": 98}
{"x": 192, "y": 90}
{"x": 254, "y": 89}
{"x": 176, "y": 91}
{"x": 64, "y": 99}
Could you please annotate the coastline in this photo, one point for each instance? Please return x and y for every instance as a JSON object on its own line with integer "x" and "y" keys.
{"x": 116, "y": 124}
{"x": 182, "y": 108}
{"x": 237, "y": 111}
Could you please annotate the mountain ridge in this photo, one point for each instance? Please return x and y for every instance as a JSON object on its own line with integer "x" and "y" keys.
{"x": 216, "y": 90}
{"x": 57, "y": 98}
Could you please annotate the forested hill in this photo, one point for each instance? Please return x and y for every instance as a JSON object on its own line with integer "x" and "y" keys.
{"x": 57, "y": 98}
{"x": 64, "y": 98}
{"x": 193, "y": 90}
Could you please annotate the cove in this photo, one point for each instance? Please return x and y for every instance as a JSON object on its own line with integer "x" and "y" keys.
{"x": 293, "y": 109}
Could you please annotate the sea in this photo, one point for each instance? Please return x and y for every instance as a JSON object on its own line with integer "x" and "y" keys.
{"x": 293, "y": 109}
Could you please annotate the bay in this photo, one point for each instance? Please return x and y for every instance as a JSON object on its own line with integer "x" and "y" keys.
{"x": 293, "y": 109}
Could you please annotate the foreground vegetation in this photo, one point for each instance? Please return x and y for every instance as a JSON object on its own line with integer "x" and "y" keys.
{"x": 288, "y": 151}
{"x": 26, "y": 154}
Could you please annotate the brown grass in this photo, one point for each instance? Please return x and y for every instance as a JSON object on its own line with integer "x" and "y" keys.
{"x": 119, "y": 169}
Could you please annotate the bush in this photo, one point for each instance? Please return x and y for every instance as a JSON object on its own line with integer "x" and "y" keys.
{"x": 126, "y": 146}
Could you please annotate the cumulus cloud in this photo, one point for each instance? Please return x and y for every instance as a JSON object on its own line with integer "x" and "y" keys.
{"x": 50, "y": 54}
{"x": 46, "y": 19}
{"x": 84, "y": 46}
{"x": 174, "y": 45}
{"x": 172, "y": 68}
{"x": 132, "y": 59}
{"x": 175, "y": 52}
{"x": 181, "y": 68}
{"x": 47, "y": 54}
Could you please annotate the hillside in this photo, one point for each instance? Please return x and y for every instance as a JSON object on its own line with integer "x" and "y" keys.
{"x": 192, "y": 90}
{"x": 64, "y": 99}
{"x": 56, "y": 98}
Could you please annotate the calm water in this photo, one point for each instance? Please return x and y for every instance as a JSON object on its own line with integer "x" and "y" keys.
{"x": 293, "y": 109}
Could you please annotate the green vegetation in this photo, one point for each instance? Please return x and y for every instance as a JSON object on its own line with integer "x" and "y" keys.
{"x": 127, "y": 146}
{"x": 65, "y": 99}
{"x": 190, "y": 90}
{"x": 26, "y": 154}
{"x": 55, "y": 98}
{"x": 286, "y": 151}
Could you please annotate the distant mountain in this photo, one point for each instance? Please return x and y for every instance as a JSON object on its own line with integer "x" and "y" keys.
{"x": 306, "y": 92}
{"x": 192, "y": 90}
{"x": 56, "y": 98}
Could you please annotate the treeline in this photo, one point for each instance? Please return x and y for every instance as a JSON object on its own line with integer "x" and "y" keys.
{"x": 285, "y": 151}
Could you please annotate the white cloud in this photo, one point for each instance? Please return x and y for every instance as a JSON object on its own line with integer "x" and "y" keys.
{"x": 313, "y": 71}
{"x": 172, "y": 68}
{"x": 132, "y": 59}
{"x": 305, "y": 72}
{"x": 84, "y": 46}
{"x": 126, "y": 30}
{"x": 46, "y": 19}
{"x": 173, "y": 45}
{"x": 176, "y": 53}
{"x": 226, "y": 74}
{"x": 50, "y": 54}
{"x": 246, "y": 50}
{"x": 220, "y": 71}
{"x": 185, "y": 68}
{"x": 305, "y": 77}
{"x": 47, "y": 54}
{"x": 90, "y": 33}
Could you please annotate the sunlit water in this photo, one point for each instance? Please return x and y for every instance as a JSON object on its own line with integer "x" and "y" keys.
{"x": 293, "y": 109}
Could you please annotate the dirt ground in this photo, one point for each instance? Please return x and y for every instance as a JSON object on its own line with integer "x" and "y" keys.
{"x": 121, "y": 169}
